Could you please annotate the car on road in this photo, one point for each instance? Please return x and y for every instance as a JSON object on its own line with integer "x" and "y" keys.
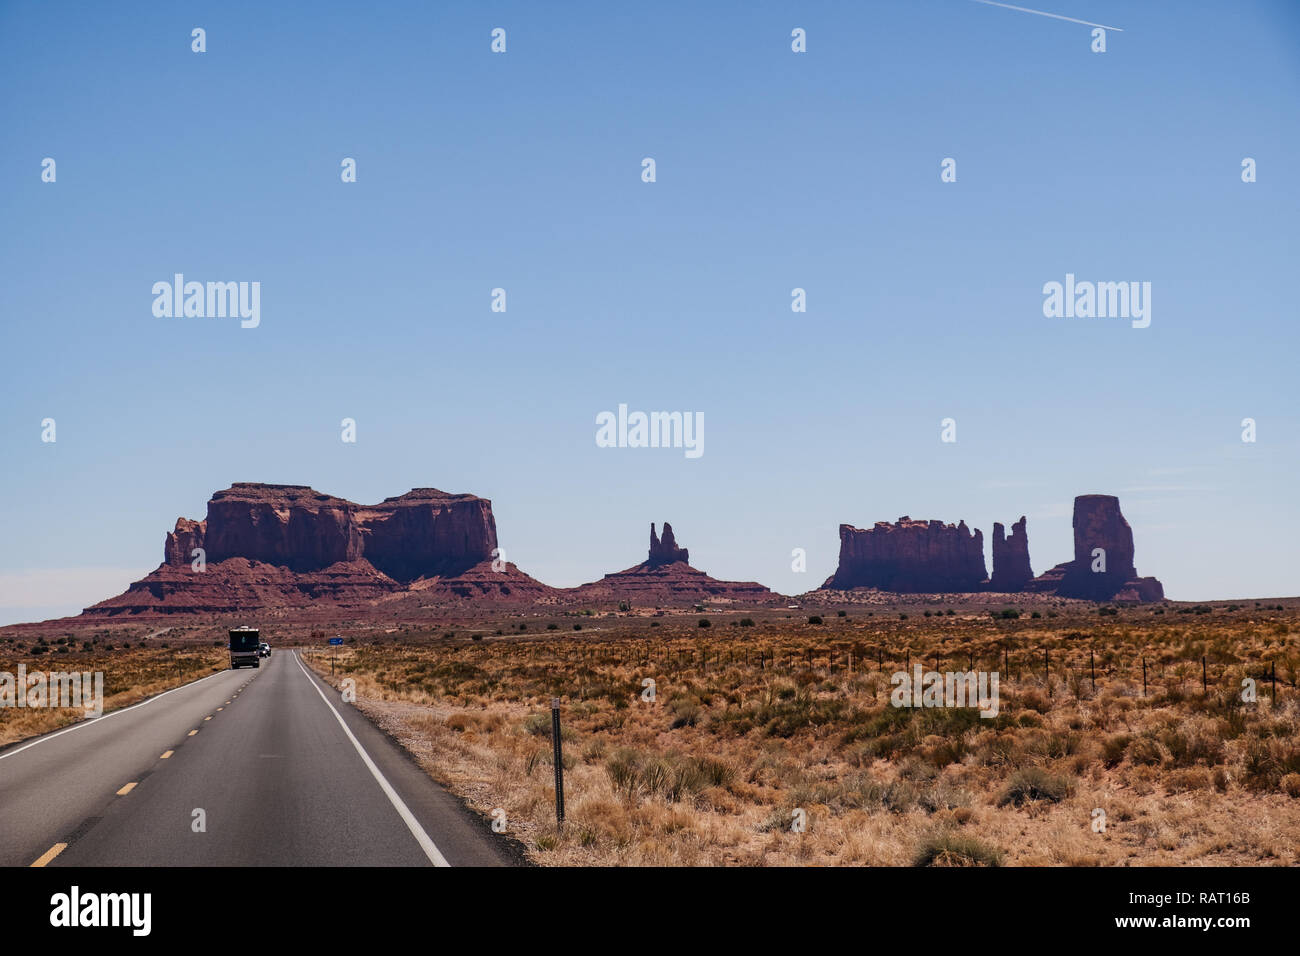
{"x": 245, "y": 647}
{"x": 264, "y": 650}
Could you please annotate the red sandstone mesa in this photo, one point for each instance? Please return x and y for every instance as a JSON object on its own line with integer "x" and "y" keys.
{"x": 290, "y": 546}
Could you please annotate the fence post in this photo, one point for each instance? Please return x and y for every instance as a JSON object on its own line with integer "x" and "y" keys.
{"x": 1205, "y": 684}
{"x": 1144, "y": 677}
{"x": 559, "y": 763}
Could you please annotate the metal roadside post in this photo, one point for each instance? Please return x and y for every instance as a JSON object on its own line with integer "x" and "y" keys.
{"x": 334, "y": 642}
{"x": 559, "y": 763}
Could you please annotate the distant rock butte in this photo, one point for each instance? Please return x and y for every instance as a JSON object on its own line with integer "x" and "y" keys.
{"x": 929, "y": 556}
{"x": 290, "y": 546}
{"x": 1011, "y": 570}
{"x": 910, "y": 557}
{"x": 665, "y": 551}
{"x": 1102, "y": 540}
{"x": 665, "y": 579}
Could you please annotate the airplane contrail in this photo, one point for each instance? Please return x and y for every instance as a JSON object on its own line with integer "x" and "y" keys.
{"x": 1054, "y": 16}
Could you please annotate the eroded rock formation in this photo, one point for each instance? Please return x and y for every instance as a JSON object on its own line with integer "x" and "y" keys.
{"x": 1102, "y": 569}
{"x": 665, "y": 551}
{"x": 911, "y": 557}
{"x": 665, "y": 579}
{"x": 929, "y": 556}
{"x": 1011, "y": 570}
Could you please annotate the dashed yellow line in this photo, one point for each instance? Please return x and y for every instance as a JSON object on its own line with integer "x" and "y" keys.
{"x": 127, "y": 789}
{"x": 209, "y": 717}
{"x": 50, "y": 854}
{"x": 220, "y": 709}
{"x": 191, "y": 733}
{"x": 166, "y": 755}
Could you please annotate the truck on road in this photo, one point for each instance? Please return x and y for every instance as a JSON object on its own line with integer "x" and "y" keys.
{"x": 245, "y": 646}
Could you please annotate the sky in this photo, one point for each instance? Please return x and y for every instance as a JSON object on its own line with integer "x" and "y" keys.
{"x": 774, "y": 170}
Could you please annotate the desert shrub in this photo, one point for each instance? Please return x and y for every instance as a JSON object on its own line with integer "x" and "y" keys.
{"x": 1000, "y": 750}
{"x": 1268, "y": 762}
{"x": 944, "y": 795}
{"x": 1193, "y": 743}
{"x": 1112, "y": 749}
{"x": 814, "y": 619}
{"x": 1191, "y": 778}
{"x": 1035, "y": 700}
{"x": 1034, "y": 783}
{"x": 685, "y": 712}
{"x": 670, "y": 776}
{"x": 1145, "y": 750}
{"x": 955, "y": 849}
{"x": 704, "y": 622}
{"x": 1291, "y": 785}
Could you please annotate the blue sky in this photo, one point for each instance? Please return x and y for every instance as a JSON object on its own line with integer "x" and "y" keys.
{"x": 775, "y": 170}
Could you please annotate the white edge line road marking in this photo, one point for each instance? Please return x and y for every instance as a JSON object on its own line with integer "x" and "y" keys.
{"x": 94, "y": 720}
{"x": 1054, "y": 16}
{"x": 412, "y": 824}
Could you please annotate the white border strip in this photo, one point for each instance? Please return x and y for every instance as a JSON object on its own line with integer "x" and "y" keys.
{"x": 412, "y": 824}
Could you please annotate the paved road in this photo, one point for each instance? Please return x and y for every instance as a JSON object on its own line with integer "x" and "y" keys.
{"x": 284, "y": 772}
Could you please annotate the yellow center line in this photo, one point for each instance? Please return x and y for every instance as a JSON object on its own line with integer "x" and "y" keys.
{"x": 209, "y": 717}
{"x": 166, "y": 755}
{"x": 191, "y": 733}
{"x": 127, "y": 789}
{"x": 220, "y": 709}
{"x": 50, "y": 854}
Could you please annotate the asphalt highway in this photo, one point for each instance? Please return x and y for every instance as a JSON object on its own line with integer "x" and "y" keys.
{"x": 253, "y": 767}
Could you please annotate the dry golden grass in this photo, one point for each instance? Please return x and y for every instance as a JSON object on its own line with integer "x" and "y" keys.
{"x": 714, "y": 770}
{"x": 130, "y": 675}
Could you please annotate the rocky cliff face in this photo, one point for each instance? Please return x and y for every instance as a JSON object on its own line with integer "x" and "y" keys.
{"x": 426, "y": 532}
{"x": 911, "y": 557}
{"x": 1102, "y": 569}
{"x": 1011, "y": 570}
{"x": 290, "y": 526}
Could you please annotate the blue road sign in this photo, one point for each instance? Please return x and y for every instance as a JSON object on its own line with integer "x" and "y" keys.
{"x": 336, "y": 640}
